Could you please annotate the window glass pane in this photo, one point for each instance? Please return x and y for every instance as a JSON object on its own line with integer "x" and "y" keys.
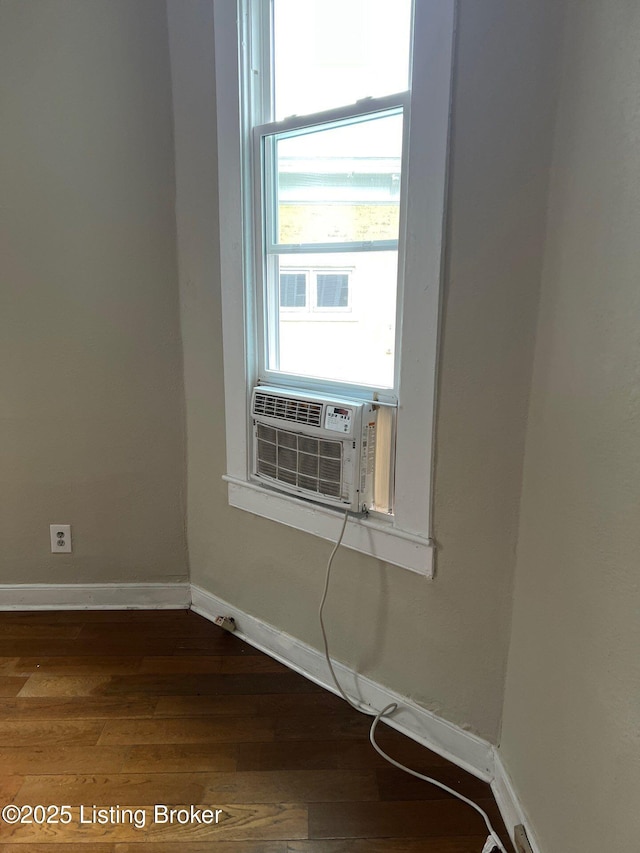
{"x": 329, "y": 53}
{"x": 356, "y": 344}
{"x": 332, "y": 290}
{"x": 293, "y": 290}
{"x": 340, "y": 185}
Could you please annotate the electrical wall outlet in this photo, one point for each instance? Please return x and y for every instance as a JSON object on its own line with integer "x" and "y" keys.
{"x": 60, "y": 538}
{"x": 521, "y": 840}
{"x": 226, "y": 622}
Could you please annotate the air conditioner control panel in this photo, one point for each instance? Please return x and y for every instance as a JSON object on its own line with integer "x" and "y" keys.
{"x": 338, "y": 419}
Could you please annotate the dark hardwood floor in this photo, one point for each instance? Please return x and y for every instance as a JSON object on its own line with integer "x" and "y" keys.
{"x": 129, "y": 709}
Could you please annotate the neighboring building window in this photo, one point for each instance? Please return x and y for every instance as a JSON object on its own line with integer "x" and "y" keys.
{"x": 314, "y": 294}
{"x": 293, "y": 290}
{"x": 332, "y": 290}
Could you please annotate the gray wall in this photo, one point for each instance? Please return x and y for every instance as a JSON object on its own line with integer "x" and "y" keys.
{"x": 91, "y": 412}
{"x": 571, "y": 733}
{"x": 443, "y": 643}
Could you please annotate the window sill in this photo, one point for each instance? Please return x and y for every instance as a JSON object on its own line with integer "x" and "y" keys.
{"x": 375, "y": 537}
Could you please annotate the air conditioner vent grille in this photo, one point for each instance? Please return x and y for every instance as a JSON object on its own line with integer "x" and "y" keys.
{"x": 308, "y": 463}
{"x": 288, "y": 409}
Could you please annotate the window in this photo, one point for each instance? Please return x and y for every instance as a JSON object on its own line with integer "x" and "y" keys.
{"x": 314, "y": 294}
{"x": 293, "y": 290}
{"x": 332, "y": 176}
{"x": 329, "y": 126}
{"x": 329, "y": 193}
{"x": 332, "y": 290}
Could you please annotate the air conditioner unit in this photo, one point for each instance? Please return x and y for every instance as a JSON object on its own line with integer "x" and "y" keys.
{"x": 318, "y": 448}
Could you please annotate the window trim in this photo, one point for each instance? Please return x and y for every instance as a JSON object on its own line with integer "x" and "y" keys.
{"x": 406, "y": 540}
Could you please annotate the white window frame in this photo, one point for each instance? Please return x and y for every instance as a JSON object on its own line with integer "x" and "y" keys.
{"x": 404, "y": 539}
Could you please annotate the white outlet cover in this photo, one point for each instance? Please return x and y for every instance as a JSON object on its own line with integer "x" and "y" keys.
{"x": 521, "y": 840}
{"x": 60, "y": 535}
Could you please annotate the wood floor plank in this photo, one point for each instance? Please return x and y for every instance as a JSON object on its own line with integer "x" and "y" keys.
{"x": 160, "y": 618}
{"x": 394, "y": 784}
{"x": 238, "y": 822}
{"x": 185, "y": 664}
{"x": 69, "y": 758}
{"x": 401, "y": 748}
{"x": 58, "y": 848}
{"x": 217, "y": 664}
{"x": 218, "y": 644}
{"x": 208, "y": 706}
{"x": 76, "y": 707}
{"x": 334, "y": 725}
{"x": 307, "y": 786}
{"x": 180, "y": 758}
{"x": 64, "y": 685}
{"x": 184, "y": 730}
{"x": 11, "y": 685}
{"x": 77, "y": 665}
{"x": 328, "y": 754}
{"x": 312, "y": 755}
{"x": 16, "y": 631}
{"x": 9, "y": 787}
{"x": 208, "y": 684}
{"x": 251, "y": 663}
{"x": 206, "y": 847}
{"x": 468, "y": 844}
{"x": 115, "y": 646}
{"x": 284, "y": 704}
{"x": 273, "y": 704}
{"x": 48, "y": 732}
{"x": 136, "y": 629}
{"x": 433, "y": 818}
{"x": 142, "y": 788}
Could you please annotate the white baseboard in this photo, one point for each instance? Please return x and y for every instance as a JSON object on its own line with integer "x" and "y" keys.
{"x": 508, "y": 801}
{"x": 463, "y": 748}
{"x": 99, "y": 596}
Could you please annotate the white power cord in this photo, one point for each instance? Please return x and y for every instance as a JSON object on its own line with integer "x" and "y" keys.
{"x": 493, "y": 840}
